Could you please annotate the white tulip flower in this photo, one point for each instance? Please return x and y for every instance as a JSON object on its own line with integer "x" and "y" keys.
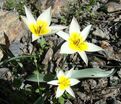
{"x": 64, "y": 83}
{"x": 76, "y": 41}
{"x": 41, "y": 26}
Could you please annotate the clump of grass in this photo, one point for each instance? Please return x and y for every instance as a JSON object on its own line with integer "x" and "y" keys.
{"x": 15, "y": 5}
{"x": 82, "y": 11}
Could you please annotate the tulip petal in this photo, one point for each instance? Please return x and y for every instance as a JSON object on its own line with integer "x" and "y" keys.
{"x": 74, "y": 26}
{"x": 63, "y": 35}
{"x": 29, "y": 15}
{"x": 85, "y": 32}
{"x": 34, "y": 37}
{"x": 92, "y": 47}
{"x": 59, "y": 92}
{"x": 70, "y": 91}
{"x": 74, "y": 81}
{"x": 56, "y": 28}
{"x": 69, "y": 73}
{"x": 25, "y": 20}
{"x": 45, "y": 16}
{"x": 54, "y": 82}
{"x": 84, "y": 57}
{"x": 60, "y": 73}
{"x": 65, "y": 49}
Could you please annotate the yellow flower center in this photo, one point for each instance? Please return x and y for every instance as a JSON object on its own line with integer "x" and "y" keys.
{"x": 39, "y": 28}
{"x": 64, "y": 82}
{"x": 76, "y": 42}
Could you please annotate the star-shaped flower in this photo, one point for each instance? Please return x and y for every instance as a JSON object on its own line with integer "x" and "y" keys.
{"x": 76, "y": 41}
{"x": 41, "y": 26}
{"x": 64, "y": 83}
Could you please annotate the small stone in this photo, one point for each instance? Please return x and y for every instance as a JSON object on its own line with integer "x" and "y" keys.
{"x": 30, "y": 48}
{"x": 111, "y": 100}
{"x": 119, "y": 73}
{"x": 100, "y": 33}
{"x": 1, "y": 54}
{"x": 2, "y": 3}
{"x": 110, "y": 92}
{"x": 114, "y": 80}
{"x": 58, "y": 59}
{"x": 118, "y": 102}
{"x": 102, "y": 101}
{"x": 83, "y": 96}
{"x": 104, "y": 1}
{"x": 68, "y": 102}
{"x": 2, "y": 38}
{"x": 102, "y": 83}
{"x": 11, "y": 26}
{"x": 12, "y": 31}
{"x": 48, "y": 56}
{"x": 15, "y": 48}
{"x": 5, "y": 74}
{"x": 86, "y": 86}
{"x": 97, "y": 62}
{"x": 113, "y": 7}
{"x": 109, "y": 51}
{"x": 92, "y": 83}
{"x": 117, "y": 19}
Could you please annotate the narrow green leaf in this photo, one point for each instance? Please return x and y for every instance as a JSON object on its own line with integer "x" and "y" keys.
{"x": 49, "y": 77}
{"x": 36, "y": 77}
{"x": 92, "y": 73}
{"x": 40, "y": 100}
{"x": 61, "y": 100}
{"x": 84, "y": 73}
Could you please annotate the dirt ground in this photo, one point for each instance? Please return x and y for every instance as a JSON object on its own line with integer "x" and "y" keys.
{"x": 20, "y": 57}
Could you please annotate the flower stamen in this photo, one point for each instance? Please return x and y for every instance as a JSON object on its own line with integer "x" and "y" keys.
{"x": 76, "y": 42}
{"x": 64, "y": 82}
{"x": 39, "y": 28}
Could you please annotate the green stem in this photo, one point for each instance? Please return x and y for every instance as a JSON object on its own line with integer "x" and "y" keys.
{"x": 37, "y": 73}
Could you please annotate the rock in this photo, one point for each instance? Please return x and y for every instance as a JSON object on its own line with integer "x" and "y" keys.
{"x": 103, "y": 1}
{"x": 109, "y": 52}
{"x": 1, "y": 54}
{"x": 118, "y": 56}
{"x": 114, "y": 80}
{"x": 48, "y": 56}
{"x": 68, "y": 102}
{"x": 58, "y": 6}
{"x": 92, "y": 83}
{"x": 118, "y": 102}
{"x": 58, "y": 59}
{"x": 2, "y": 38}
{"x": 12, "y": 31}
{"x": 102, "y": 83}
{"x": 15, "y": 48}
{"x": 97, "y": 62}
{"x": 100, "y": 33}
{"x": 5, "y": 74}
{"x": 113, "y": 7}
{"x": 102, "y": 101}
{"x": 110, "y": 92}
{"x": 11, "y": 26}
{"x": 2, "y": 3}
{"x": 86, "y": 87}
{"x": 30, "y": 48}
{"x": 119, "y": 73}
{"x": 111, "y": 100}
{"x": 83, "y": 96}
{"x": 117, "y": 19}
